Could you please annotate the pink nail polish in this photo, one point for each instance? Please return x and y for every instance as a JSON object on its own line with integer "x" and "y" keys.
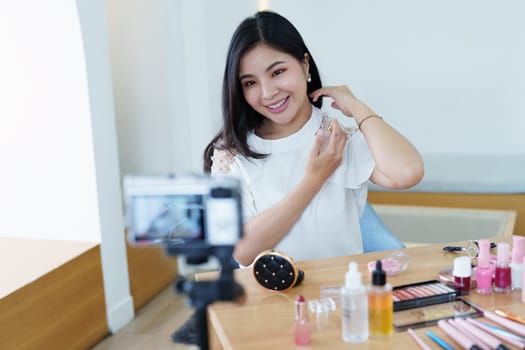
{"x": 483, "y": 270}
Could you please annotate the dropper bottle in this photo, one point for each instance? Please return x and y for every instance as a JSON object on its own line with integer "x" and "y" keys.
{"x": 380, "y": 305}
{"x": 354, "y": 302}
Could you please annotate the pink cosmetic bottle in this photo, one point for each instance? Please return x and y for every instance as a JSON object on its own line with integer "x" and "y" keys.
{"x": 483, "y": 270}
{"x": 302, "y": 325}
{"x": 516, "y": 265}
{"x": 502, "y": 276}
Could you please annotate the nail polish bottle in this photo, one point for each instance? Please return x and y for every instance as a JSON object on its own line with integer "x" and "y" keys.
{"x": 380, "y": 305}
{"x": 483, "y": 270}
{"x": 502, "y": 276}
{"x": 354, "y": 304}
{"x": 516, "y": 265}
{"x": 302, "y": 324}
{"x": 523, "y": 289}
{"x": 462, "y": 273}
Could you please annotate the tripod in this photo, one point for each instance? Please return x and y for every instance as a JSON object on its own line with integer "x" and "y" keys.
{"x": 203, "y": 293}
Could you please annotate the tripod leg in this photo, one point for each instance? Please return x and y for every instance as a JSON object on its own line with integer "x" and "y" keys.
{"x": 202, "y": 327}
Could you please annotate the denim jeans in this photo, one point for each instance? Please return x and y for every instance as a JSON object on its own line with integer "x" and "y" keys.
{"x": 376, "y": 236}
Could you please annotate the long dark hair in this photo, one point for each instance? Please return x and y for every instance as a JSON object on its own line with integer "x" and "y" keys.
{"x": 239, "y": 118}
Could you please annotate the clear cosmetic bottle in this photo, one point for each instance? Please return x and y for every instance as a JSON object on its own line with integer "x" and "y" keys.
{"x": 354, "y": 300}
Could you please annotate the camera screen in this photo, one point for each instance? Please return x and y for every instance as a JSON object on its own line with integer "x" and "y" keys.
{"x": 158, "y": 218}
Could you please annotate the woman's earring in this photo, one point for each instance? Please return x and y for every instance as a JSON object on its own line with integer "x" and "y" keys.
{"x": 309, "y": 78}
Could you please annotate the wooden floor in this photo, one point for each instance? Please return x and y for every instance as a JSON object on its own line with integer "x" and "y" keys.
{"x": 153, "y": 325}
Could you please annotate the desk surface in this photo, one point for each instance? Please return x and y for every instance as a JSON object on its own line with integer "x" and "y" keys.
{"x": 265, "y": 319}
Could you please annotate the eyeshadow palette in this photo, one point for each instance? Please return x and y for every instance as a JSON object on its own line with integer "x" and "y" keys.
{"x": 429, "y": 315}
{"x": 420, "y": 294}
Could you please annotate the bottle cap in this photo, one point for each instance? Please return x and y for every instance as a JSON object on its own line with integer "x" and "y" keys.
{"x": 517, "y": 249}
{"x": 503, "y": 253}
{"x": 462, "y": 267}
{"x": 353, "y": 276}
{"x": 484, "y": 253}
{"x": 378, "y": 275}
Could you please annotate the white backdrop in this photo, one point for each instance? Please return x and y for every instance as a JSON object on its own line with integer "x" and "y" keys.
{"x": 448, "y": 74}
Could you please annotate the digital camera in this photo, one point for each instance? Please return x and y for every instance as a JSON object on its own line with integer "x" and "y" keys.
{"x": 183, "y": 211}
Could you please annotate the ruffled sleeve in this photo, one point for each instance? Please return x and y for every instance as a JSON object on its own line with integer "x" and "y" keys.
{"x": 224, "y": 163}
{"x": 221, "y": 162}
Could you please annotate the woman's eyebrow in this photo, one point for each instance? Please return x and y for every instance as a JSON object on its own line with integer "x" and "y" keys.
{"x": 270, "y": 67}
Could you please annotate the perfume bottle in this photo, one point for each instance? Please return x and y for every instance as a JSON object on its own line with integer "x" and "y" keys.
{"x": 380, "y": 305}
{"x": 354, "y": 302}
{"x": 516, "y": 265}
{"x": 502, "y": 276}
{"x": 302, "y": 324}
{"x": 483, "y": 270}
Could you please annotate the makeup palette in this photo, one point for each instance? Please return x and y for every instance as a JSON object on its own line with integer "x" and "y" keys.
{"x": 420, "y": 294}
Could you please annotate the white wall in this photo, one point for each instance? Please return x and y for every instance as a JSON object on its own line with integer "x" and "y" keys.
{"x": 47, "y": 178}
{"x": 447, "y": 74}
{"x": 59, "y": 175}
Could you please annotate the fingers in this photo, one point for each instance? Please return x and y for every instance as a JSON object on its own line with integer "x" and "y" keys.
{"x": 338, "y": 137}
{"x": 324, "y": 91}
{"x": 319, "y": 138}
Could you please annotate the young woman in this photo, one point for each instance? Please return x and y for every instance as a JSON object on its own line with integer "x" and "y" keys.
{"x": 304, "y": 177}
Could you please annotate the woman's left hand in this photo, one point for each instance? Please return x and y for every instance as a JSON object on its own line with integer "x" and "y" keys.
{"x": 343, "y": 100}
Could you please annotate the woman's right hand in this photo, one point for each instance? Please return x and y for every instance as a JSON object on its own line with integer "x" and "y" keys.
{"x": 325, "y": 159}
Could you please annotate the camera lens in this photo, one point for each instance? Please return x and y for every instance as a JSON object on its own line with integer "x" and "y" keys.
{"x": 221, "y": 192}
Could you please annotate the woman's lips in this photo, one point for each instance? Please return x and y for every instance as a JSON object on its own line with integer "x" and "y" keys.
{"x": 279, "y": 106}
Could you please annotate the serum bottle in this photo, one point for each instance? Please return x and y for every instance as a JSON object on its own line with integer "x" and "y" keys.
{"x": 516, "y": 265}
{"x": 502, "y": 276}
{"x": 380, "y": 305}
{"x": 483, "y": 270}
{"x": 302, "y": 324}
{"x": 354, "y": 302}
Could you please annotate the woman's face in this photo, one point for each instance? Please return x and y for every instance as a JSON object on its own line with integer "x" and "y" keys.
{"x": 274, "y": 84}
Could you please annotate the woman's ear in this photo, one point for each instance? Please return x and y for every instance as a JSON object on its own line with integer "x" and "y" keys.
{"x": 306, "y": 63}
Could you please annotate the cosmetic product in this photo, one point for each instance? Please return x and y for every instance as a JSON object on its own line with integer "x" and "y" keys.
{"x": 513, "y": 326}
{"x": 486, "y": 338}
{"x": 302, "y": 325}
{"x": 523, "y": 279}
{"x": 380, "y": 305}
{"x": 429, "y": 315}
{"x": 500, "y": 333}
{"x": 439, "y": 341}
{"x": 409, "y": 296}
{"x": 418, "y": 340}
{"x": 509, "y": 316}
{"x": 502, "y": 276}
{"x": 354, "y": 304}
{"x": 462, "y": 273}
{"x": 465, "y": 342}
{"x": 516, "y": 265}
{"x": 466, "y": 334}
{"x": 483, "y": 270}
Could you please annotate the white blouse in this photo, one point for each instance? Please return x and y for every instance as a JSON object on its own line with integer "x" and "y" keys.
{"x": 329, "y": 226}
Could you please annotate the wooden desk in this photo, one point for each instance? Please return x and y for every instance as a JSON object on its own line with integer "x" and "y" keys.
{"x": 265, "y": 320}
